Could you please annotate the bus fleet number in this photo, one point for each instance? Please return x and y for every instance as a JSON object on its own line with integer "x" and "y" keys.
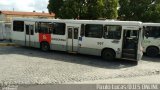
{"x": 99, "y": 43}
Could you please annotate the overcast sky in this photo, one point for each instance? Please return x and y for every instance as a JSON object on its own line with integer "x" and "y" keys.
{"x": 24, "y": 5}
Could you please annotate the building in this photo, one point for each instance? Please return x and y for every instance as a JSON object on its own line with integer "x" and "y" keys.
{"x": 7, "y": 16}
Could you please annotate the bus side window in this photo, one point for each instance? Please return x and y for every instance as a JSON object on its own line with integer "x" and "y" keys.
{"x": 59, "y": 28}
{"x": 93, "y": 30}
{"x": 112, "y": 31}
{"x": 18, "y": 26}
{"x": 105, "y": 32}
{"x": 82, "y": 30}
{"x": 50, "y": 28}
{"x": 27, "y": 29}
{"x": 32, "y": 29}
{"x": 157, "y": 32}
{"x": 152, "y": 31}
{"x": 39, "y": 27}
{"x": 144, "y": 28}
{"x": 44, "y": 28}
{"x": 36, "y": 27}
{"x": 146, "y": 32}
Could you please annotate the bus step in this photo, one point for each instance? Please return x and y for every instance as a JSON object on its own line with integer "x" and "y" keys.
{"x": 127, "y": 55}
{"x": 129, "y": 51}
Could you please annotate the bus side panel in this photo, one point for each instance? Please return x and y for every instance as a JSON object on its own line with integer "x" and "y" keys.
{"x": 18, "y": 38}
{"x": 94, "y": 46}
{"x": 150, "y": 41}
{"x": 90, "y": 46}
{"x": 114, "y": 44}
{"x": 36, "y": 40}
{"x": 45, "y": 37}
{"x": 58, "y": 42}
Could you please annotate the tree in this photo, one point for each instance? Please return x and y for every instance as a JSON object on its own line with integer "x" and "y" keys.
{"x": 111, "y": 6}
{"x": 73, "y": 9}
{"x": 140, "y": 10}
{"x": 67, "y": 8}
{"x": 153, "y": 13}
{"x": 93, "y": 8}
{"x": 54, "y": 6}
{"x": 84, "y": 9}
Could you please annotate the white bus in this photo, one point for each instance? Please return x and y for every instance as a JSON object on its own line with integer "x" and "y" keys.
{"x": 151, "y": 42}
{"x": 109, "y": 39}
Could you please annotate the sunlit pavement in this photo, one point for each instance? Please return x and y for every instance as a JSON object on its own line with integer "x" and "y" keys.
{"x": 21, "y": 65}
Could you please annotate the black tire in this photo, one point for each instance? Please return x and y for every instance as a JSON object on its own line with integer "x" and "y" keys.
{"x": 152, "y": 51}
{"x": 45, "y": 46}
{"x": 108, "y": 55}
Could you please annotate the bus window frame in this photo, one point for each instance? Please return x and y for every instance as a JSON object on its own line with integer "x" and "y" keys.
{"x": 19, "y": 26}
{"x": 100, "y": 36}
{"x": 107, "y": 32}
{"x": 64, "y": 29}
{"x": 149, "y": 33}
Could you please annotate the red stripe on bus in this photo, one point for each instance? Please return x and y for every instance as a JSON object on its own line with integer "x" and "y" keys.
{"x": 45, "y": 37}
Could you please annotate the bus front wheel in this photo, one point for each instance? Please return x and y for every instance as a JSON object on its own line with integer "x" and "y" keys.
{"x": 152, "y": 51}
{"x": 108, "y": 55}
{"x": 45, "y": 46}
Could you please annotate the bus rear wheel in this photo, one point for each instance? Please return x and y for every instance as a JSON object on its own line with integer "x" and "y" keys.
{"x": 152, "y": 51}
{"x": 108, "y": 55}
{"x": 45, "y": 46}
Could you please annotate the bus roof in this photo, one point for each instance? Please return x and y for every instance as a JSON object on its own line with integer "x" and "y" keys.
{"x": 81, "y": 21}
{"x": 151, "y": 24}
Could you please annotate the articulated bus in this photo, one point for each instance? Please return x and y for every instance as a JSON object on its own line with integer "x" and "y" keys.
{"x": 151, "y": 41}
{"x": 109, "y": 39}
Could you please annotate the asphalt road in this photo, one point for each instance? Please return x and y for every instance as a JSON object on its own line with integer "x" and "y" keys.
{"x": 21, "y": 65}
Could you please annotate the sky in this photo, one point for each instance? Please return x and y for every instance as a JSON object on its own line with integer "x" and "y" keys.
{"x": 24, "y": 5}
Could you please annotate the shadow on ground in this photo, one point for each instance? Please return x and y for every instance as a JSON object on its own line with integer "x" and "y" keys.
{"x": 151, "y": 59}
{"x": 89, "y": 60}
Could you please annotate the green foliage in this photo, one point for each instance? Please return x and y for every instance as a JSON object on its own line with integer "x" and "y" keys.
{"x": 153, "y": 14}
{"x": 84, "y": 9}
{"x": 140, "y": 10}
{"x": 111, "y": 6}
{"x": 55, "y": 6}
{"x": 133, "y": 10}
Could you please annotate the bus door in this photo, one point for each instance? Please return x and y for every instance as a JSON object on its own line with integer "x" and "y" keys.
{"x": 72, "y": 38}
{"x": 29, "y": 34}
{"x": 130, "y": 44}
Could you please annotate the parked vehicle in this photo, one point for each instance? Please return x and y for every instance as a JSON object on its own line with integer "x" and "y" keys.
{"x": 151, "y": 41}
{"x": 109, "y": 39}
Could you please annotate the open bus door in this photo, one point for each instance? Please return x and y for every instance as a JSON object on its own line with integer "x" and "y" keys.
{"x": 130, "y": 44}
{"x": 29, "y": 34}
{"x": 72, "y": 38}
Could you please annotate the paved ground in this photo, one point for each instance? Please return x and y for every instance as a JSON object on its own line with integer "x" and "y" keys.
{"x": 148, "y": 79}
{"x": 21, "y": 65}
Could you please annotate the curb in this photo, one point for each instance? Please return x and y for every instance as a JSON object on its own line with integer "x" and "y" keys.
{"x": 7, "y": 44}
